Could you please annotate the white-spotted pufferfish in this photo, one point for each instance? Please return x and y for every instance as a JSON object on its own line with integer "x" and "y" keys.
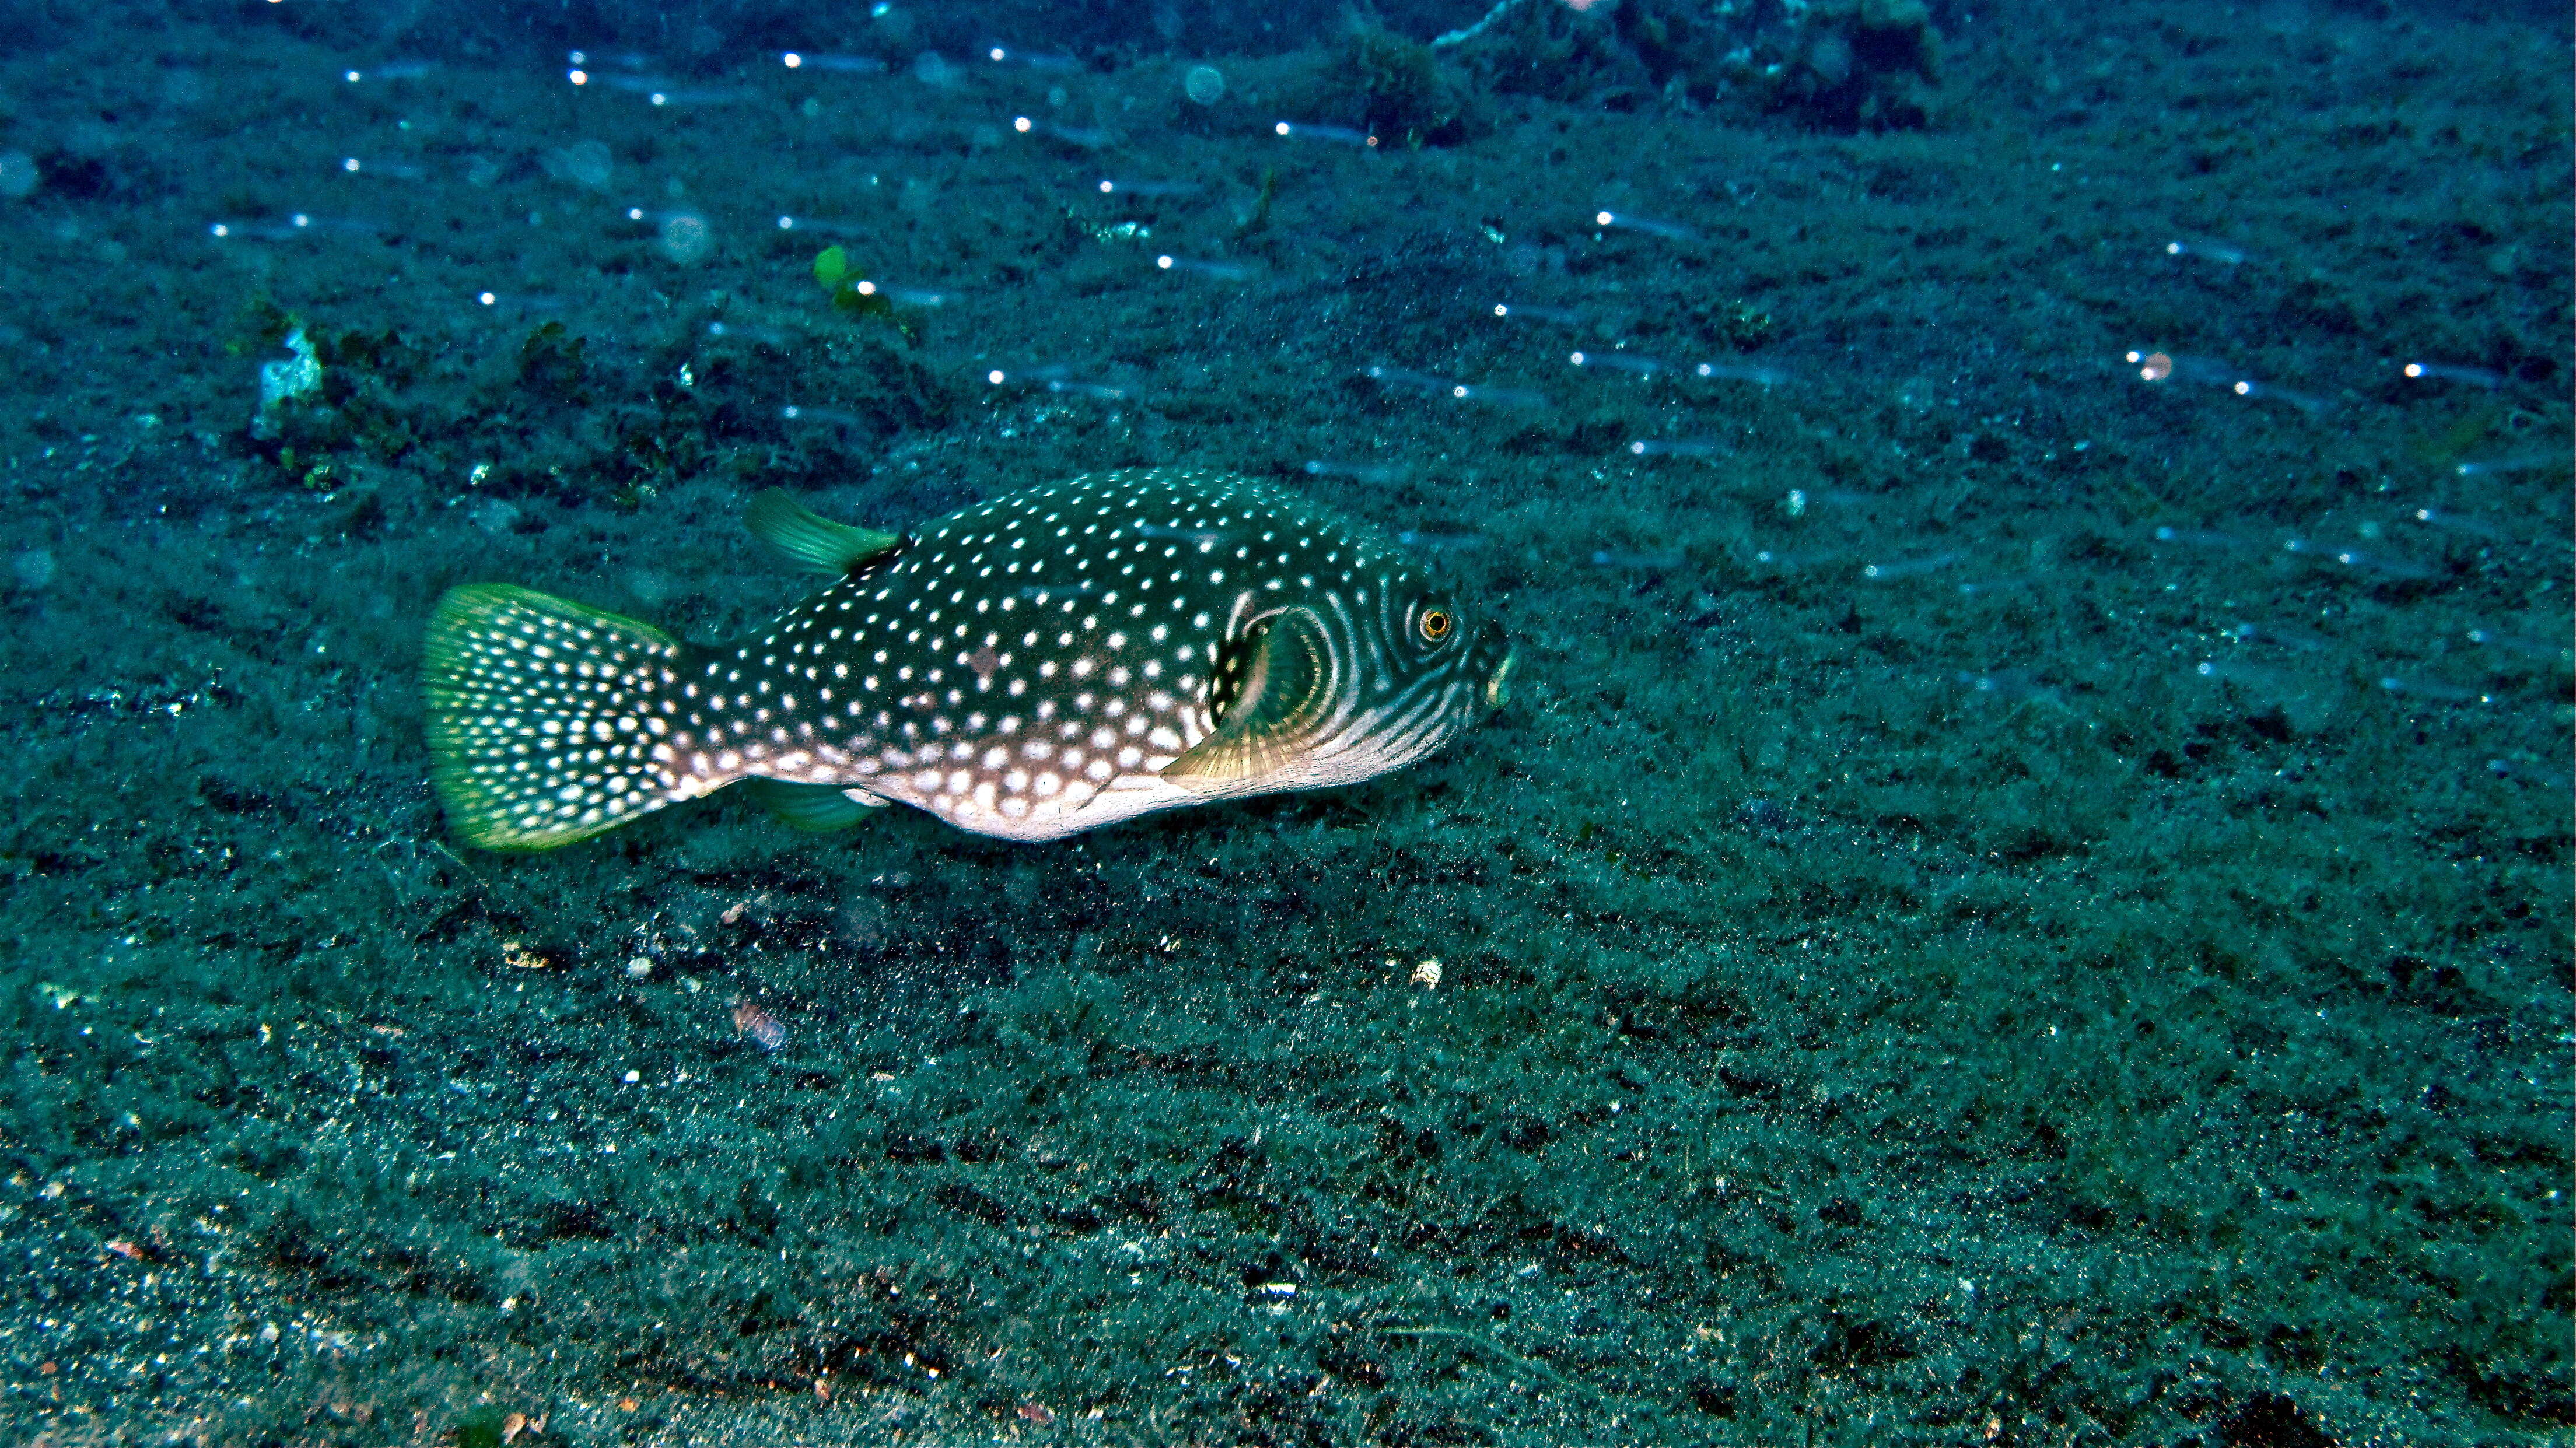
{"x": 1045, "y": 663}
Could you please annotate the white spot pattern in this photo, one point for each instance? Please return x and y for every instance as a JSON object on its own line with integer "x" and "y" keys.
{"x": 556, "y": 721}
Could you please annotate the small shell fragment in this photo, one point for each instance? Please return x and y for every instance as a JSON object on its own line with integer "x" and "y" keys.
{"x": 1427, "y": 974}
{"x": 762, "y": 1028}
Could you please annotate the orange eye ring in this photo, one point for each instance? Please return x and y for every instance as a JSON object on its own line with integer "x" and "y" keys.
{"x": 1436, "y": 625}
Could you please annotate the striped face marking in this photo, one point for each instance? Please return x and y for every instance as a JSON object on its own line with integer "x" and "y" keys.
{"x": 1027, "y": 667}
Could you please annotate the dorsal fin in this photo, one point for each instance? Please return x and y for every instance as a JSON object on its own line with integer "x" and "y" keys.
{"x": 1287, "y": 688}
{"x": 810, "y": 539}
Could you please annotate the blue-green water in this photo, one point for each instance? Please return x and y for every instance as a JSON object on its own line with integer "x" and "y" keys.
{"x": 2022, "y": 895}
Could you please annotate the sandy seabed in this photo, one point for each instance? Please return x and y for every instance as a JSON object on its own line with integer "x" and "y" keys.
{"x": 2015, "y": 903}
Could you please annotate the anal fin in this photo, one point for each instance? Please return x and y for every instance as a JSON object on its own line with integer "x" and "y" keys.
{"x": 816, "y": 807}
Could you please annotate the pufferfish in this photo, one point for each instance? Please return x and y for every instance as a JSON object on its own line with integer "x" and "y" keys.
{"x": 1048, "y": 662}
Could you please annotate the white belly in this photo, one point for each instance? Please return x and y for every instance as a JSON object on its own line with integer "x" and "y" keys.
{"x": 987, "y": 810}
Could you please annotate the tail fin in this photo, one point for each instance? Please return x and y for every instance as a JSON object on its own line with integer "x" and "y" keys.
{"x": 546, "y": 717}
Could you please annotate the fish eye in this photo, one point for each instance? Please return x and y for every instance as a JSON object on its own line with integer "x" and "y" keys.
{"x": 1436, "y": 624}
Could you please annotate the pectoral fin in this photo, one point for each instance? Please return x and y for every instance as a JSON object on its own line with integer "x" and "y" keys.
{"x": 1287, "y": 688}
{"x": 812, "y": 540}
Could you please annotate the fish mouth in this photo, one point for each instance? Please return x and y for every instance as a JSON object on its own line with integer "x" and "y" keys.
{"x": 1497, "y": 689}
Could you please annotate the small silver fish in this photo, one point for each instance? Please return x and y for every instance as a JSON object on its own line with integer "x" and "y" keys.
{"x": 1031, "y": 667}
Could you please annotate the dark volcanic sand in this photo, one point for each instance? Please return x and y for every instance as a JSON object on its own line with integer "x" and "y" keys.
{"x": 2071, "y": 986}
